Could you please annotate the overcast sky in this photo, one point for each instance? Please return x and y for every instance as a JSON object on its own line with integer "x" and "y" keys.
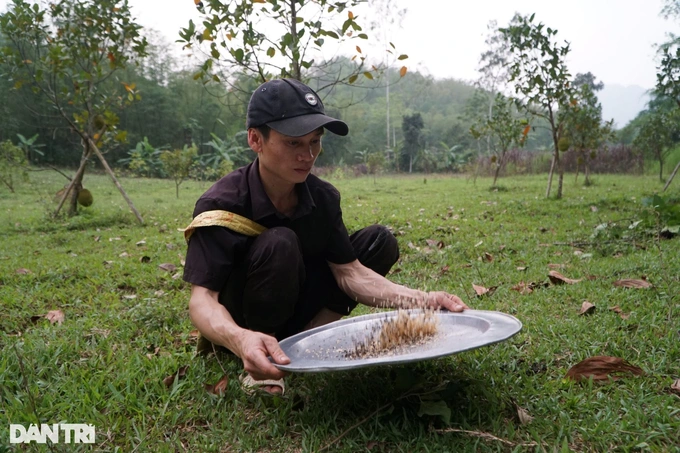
{"x": 613, "y": 39}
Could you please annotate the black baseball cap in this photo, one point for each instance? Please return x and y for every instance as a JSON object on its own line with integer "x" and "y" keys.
{"x": 291, "y": 108}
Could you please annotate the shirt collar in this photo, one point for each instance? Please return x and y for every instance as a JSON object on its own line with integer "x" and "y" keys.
{"x": 263, "y": 207}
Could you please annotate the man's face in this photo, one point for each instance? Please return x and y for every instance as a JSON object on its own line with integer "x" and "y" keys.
{"x": 285, "y": 159}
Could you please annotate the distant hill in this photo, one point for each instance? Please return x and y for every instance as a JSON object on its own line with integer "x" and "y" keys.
{"x": 622, "y": 103}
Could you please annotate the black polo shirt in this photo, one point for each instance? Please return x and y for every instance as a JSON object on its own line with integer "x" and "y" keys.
{"x": 213, "y": 251}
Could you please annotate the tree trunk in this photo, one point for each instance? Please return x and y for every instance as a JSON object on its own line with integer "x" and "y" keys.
{"x": 670, "y": 178}
{"x": 587, "y": 172}
{"x": 76, "y": 182}
{"x": 660, "y": 169}
{"x": 410, "y": 164}
{"x": 297, "y": 72}
{"x": 115, "y": 180}
{"x": 495, "y": 176}
{"x": 550, "y": 175}
{"x": 560, "y": 182}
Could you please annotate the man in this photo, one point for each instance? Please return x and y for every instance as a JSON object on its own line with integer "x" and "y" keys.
{"x": 268, "y": 253}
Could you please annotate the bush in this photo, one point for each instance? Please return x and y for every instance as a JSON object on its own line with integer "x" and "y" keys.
{"x": 12, "y": 164}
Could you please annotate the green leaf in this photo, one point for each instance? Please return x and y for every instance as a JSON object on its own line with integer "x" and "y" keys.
{"x": 402, "y": 57}
{"x": 271, "y": 52}
{"x": 299, "y": 20}
{"x": 435, "y": 408}
{"x": 332, "y": 34}
{"x": 238, "y": 55}
{"x": 215, "y": 53}
{"x": 363, "y": 35}
{"x": 353, "y": 78}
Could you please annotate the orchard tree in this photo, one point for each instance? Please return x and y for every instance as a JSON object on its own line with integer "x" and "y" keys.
{"x": 70, "y": 52}
{"x": 584, "y": 130}
{"x": 668, "y": 71}
{"x": 658, "y": 133}
{"x": 503, "y": 131}
{"x": 539, "y": 72}
{"x": 266, "y": 38}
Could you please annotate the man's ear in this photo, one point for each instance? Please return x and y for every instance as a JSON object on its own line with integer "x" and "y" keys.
{"x": 255, "y": 140}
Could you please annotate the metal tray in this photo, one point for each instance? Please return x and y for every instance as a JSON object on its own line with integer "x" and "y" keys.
{"x": 325, "y": 348}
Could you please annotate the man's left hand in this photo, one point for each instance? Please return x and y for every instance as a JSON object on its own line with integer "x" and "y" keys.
{"x": 440, "y": 300}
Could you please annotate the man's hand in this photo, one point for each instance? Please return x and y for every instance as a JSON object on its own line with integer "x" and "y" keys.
{"x": 440, "y": 300}
{"x": 253, "y": 348}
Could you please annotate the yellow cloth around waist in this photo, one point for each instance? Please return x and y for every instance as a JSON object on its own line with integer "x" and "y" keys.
{"x": 225, "y": 219}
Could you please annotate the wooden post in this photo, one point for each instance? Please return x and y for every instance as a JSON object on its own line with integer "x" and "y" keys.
{"x": 670, "y": 178}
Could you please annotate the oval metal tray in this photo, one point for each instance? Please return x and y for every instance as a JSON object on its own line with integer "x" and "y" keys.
{"x": 326, "y": 348}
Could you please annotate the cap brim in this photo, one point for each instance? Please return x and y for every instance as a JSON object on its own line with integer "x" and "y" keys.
{"x": 298, "y": 126}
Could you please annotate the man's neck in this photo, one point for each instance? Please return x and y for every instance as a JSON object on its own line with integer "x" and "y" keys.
{"x": 281, "y": 193}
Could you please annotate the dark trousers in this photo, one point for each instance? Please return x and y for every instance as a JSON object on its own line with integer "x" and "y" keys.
{"x": 275, "y": 290}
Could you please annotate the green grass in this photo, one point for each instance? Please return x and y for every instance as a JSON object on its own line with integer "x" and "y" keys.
{"x": 106, "y": 363}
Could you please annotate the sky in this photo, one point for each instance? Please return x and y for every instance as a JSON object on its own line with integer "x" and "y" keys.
{"x": 613, "y": 39}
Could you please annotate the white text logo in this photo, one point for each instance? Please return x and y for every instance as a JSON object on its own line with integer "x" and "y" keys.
{"x": 77, "y": 433}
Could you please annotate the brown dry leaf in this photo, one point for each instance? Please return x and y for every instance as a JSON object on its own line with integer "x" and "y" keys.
{"x": 435, "y": 243}
{"x": 155, "y": 352}
{"x": 481, "y": 291}
{"x": 55, "y": 316}
{"x": 169, "y": 267}
{"x": 219, "y": 388}
{"x": 675, "y": 386}
{"x": 444, "y": 269}
{"x": 411, "y": 246}
{"x": 587, "y": 308}
{"x": 617, "y": 309}
{"x": 557, "y": 279}
{"x": 632, "y": 283}
{"x": 168, "y": 381}
{"x": 523, "y": 416}
{"x": 23, "y": 271}
{"x": 523, "y": 288}
{"x": 488, "y": 257}
{"x": 602, "y": 368}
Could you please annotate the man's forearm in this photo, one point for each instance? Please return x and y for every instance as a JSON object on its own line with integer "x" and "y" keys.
{"x": 370, "y": 288}
{"x": 213, "y": 320}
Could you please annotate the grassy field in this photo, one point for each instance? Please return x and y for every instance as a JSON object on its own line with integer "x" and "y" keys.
{"x": 126, "y": 327}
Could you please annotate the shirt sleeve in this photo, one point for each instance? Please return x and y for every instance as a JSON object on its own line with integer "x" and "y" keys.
{"x": 211, "y": 252}
{"x": 339, "y": 249}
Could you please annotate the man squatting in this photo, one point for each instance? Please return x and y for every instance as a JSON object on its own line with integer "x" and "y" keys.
{"x": 294, "y": 266}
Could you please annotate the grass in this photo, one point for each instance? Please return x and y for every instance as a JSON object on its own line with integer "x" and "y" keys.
{"x": 126, "y": 326}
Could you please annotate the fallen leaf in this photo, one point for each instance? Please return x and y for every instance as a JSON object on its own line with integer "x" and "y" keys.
{"x": 194, "y": 333}
{"x": 108, "y": 263}
{"x": 521, "y": 268}
{"x": 123, "y": 255}
{"x": 444, "y": 269}
{"x": 140, "y": 243}
{"x": 617, "y": 309}
{"x": 481, "y": 290}
{"x": 488, "y": 257}
{"x": 411, "y": 246}
{"x": 556, "y": 266}
{"x": 587, "y": 308}
{"x": 97, "y": 238}
{"x": 55, "y": 316}
{"x": 602, "y": 368}
{"x": 155, "y": 352}
{"x": 557, "y": 279}
{"x": 168, "y": 381}
{"x": 632, "y": 283}
{"x": 219, "y": 388}
{"x": 159, "y": 293}
{"x": 177, "y": 275}
{"x": 523, "y": 416}
{"x": 169, "y": 267}
{"x": 434, "y": 243}
{"x": 675, "y": 386}
{"x": 130, "y": 296}
{"x": 145, "y": 259}
{"x": 24, "y": 271}
{"x": 528, "y": 288}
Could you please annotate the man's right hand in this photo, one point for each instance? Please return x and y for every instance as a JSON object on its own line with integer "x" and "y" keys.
{"x": 254, "y": 348}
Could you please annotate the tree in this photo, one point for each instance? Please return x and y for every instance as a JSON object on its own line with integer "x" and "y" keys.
{"x": 276, "y": 37}
{"x": 584, "y": 130}
{"x": 503, "y": 131}
{"x": 178, "y": 164}
{"x": 70, "y": 53}
{"x": 657, "y": 135}
{"x": 12, "y": 163}
{"x": 493, "y": 65}
{"x": 411, "y": 127}
{"x": 540, "y": 74}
